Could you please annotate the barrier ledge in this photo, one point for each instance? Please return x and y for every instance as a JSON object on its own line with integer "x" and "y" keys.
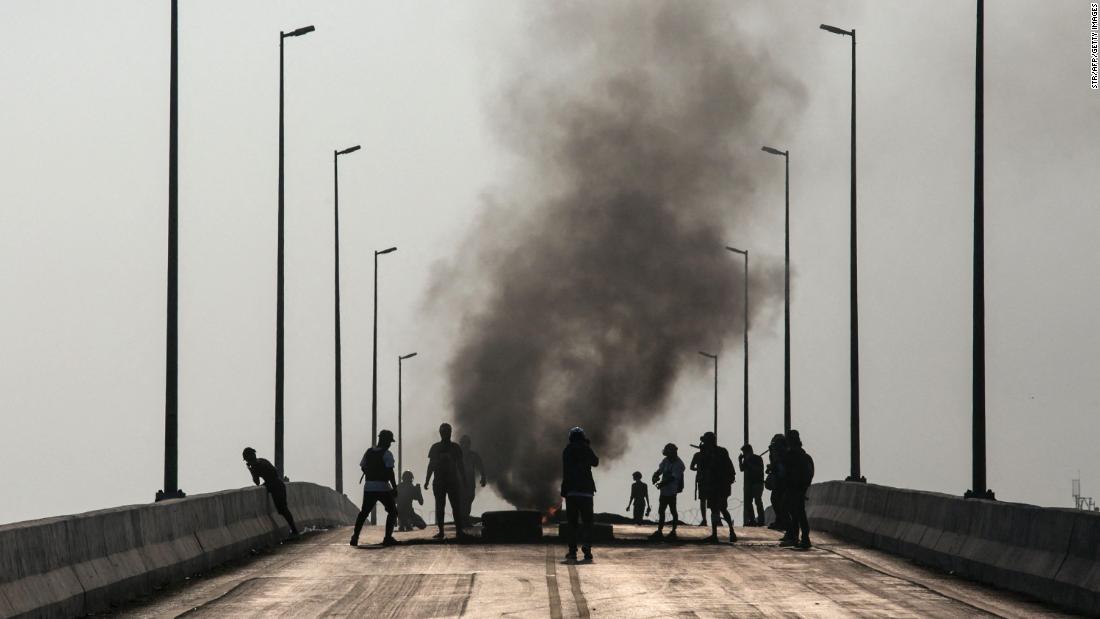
{"x": 1049, "y": 553}
{"x": 84, "y": 563}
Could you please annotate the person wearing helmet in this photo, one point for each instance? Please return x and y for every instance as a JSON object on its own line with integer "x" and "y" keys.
{"x": 380, "y": 486}
{"x": 260, "y": 468}
{"x": 578, "y": 489}
{"x": 775, "y": 480}
{"x": 800, "y": 474}
{"x": 669, "y": 478}
{"x": 407, "y": 492}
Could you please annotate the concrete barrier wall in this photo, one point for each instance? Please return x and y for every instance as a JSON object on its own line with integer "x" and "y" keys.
{"x": 74, "y": 565}
{"x": 1048, "y": 553}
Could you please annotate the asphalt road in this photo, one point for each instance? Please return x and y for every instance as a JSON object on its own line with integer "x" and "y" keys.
{"x": 321, "y": 575}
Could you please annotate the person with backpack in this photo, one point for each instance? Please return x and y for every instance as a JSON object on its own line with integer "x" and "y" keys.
{"x": 800, "y": 474}
{"x": 669, "y": 478}
{"x": 719, "y": 473}
{"x": 774, "y": 479}
{"x": 380, "y": 486}
{"x": 752, "y": 466}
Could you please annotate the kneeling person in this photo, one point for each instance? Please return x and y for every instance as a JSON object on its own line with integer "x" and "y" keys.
{"x": 380, "y": 486}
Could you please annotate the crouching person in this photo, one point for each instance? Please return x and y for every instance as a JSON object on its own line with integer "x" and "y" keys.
{"x": 380, "y": 487}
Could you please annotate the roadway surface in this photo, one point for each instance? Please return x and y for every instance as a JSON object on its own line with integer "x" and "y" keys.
{"x": 321, "y": 575}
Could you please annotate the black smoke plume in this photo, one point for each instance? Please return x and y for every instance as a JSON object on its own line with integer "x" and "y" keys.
{"x": 602, "y": 271}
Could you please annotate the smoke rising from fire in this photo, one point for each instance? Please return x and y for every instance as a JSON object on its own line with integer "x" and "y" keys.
{"x": 593, "y": 282}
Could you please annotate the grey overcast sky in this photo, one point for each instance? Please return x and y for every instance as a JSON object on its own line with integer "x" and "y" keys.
{"x": 83, "y": 162}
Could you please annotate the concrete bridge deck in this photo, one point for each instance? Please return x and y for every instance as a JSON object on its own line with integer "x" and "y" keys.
{"x": 321, "y": 575}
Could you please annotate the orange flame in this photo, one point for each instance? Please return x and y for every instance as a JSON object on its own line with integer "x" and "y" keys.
{"x": 550, "y": 513}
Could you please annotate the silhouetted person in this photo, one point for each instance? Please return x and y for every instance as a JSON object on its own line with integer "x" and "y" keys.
{"x": 774, "y": 480}
{"x": 669, "y": 477}
{"x": 407, "y": 518}
{"x": 262, "y": 469}
{"x": 379, "y": 486}
{"x": 700, "y": 483}
{"x": 445, "y": 461}
{"x": 471, "y": 460}
{"x": 800, "y": 474}
{"x": 578, "y": 488}
{"x": 639, "y": 497}
{"x": 718, "y": 466}
{"x": 752, "y": 466}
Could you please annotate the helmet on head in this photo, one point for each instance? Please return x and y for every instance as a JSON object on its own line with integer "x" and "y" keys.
{"x": 407, "y": 476}
{"x": 576, "y": 433}
{"x": 637, "y": 475}
{"x": 709, "y": 438}
{"x": 248, "y": 453}
{"x": 794, "y": 439}
{"x": 670, "y": 449}
{"x": 746, "y": 449}
{"x": 386, "y": 435}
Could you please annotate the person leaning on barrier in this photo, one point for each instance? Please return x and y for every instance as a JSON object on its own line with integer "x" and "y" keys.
{"x": 260, "y": 468}
{"x": 380, "y": 486}
{"x": 800, "y": 474}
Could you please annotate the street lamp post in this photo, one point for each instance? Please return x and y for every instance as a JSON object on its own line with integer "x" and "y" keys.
{"x": 853, "y": 290}
{"x": 715, "y": 357}
{"x": 279, "y": 270}
{"x": 978, "y": 488}
{"x": 745, "y": 253}
{"x": 171, "y": 368}
{"x": 336, "y": 242}
{"x": 374, "y": 368}
{"x": 786, "y": 154}
{"x": 400, "y": 434}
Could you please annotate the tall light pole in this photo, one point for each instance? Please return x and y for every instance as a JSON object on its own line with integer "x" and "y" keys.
{"x": 336, "y": 238}
{"x": 171, "y": 366}
{"x": 786, "y": 154}
{"x": 978, "y": 487}
{"x": 745, "y": 253}
{"x": 715, "y": 357}
{"x": 400, "y": 435}
{"x": 374, "y": 368}
{"x": 279, "y": 270}
{"x": 853, "y": 279}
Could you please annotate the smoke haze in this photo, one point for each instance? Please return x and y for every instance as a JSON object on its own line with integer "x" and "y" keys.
{"x": 601, "y": 275}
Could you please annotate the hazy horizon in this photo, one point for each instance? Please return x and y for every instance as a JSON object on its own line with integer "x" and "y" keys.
{"x": 83, "y": 210}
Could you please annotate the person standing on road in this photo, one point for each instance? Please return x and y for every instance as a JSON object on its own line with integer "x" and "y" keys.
{"x": 380, "y": 486}
{"x": 719, "y": 475}
{"x": 774, "y": 480}
{"x": 445, "y": 461}
{"x": 578, "y": 488}
{"x": 800, "y": 474}
{"x": 471, "y": 461}
{"x": 669, "y": 478}
{"x": 700, "y": 482}
{"x": 752, "y": 466}
{"x": 260, "y": 468}
{"x": 639, "y": 497}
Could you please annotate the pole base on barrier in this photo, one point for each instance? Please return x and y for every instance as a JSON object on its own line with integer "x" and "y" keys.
{"x": 858, "y": 480}
{"x": 987, "y": 495}
{"x": 164, "y": 496}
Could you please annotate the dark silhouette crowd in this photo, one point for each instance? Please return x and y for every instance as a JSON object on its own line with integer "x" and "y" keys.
{"x": 455, "y": 471}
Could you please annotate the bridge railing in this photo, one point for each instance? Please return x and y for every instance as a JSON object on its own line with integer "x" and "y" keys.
{"x": 1049, "y": 553}
{"x": 74, "y": 565}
